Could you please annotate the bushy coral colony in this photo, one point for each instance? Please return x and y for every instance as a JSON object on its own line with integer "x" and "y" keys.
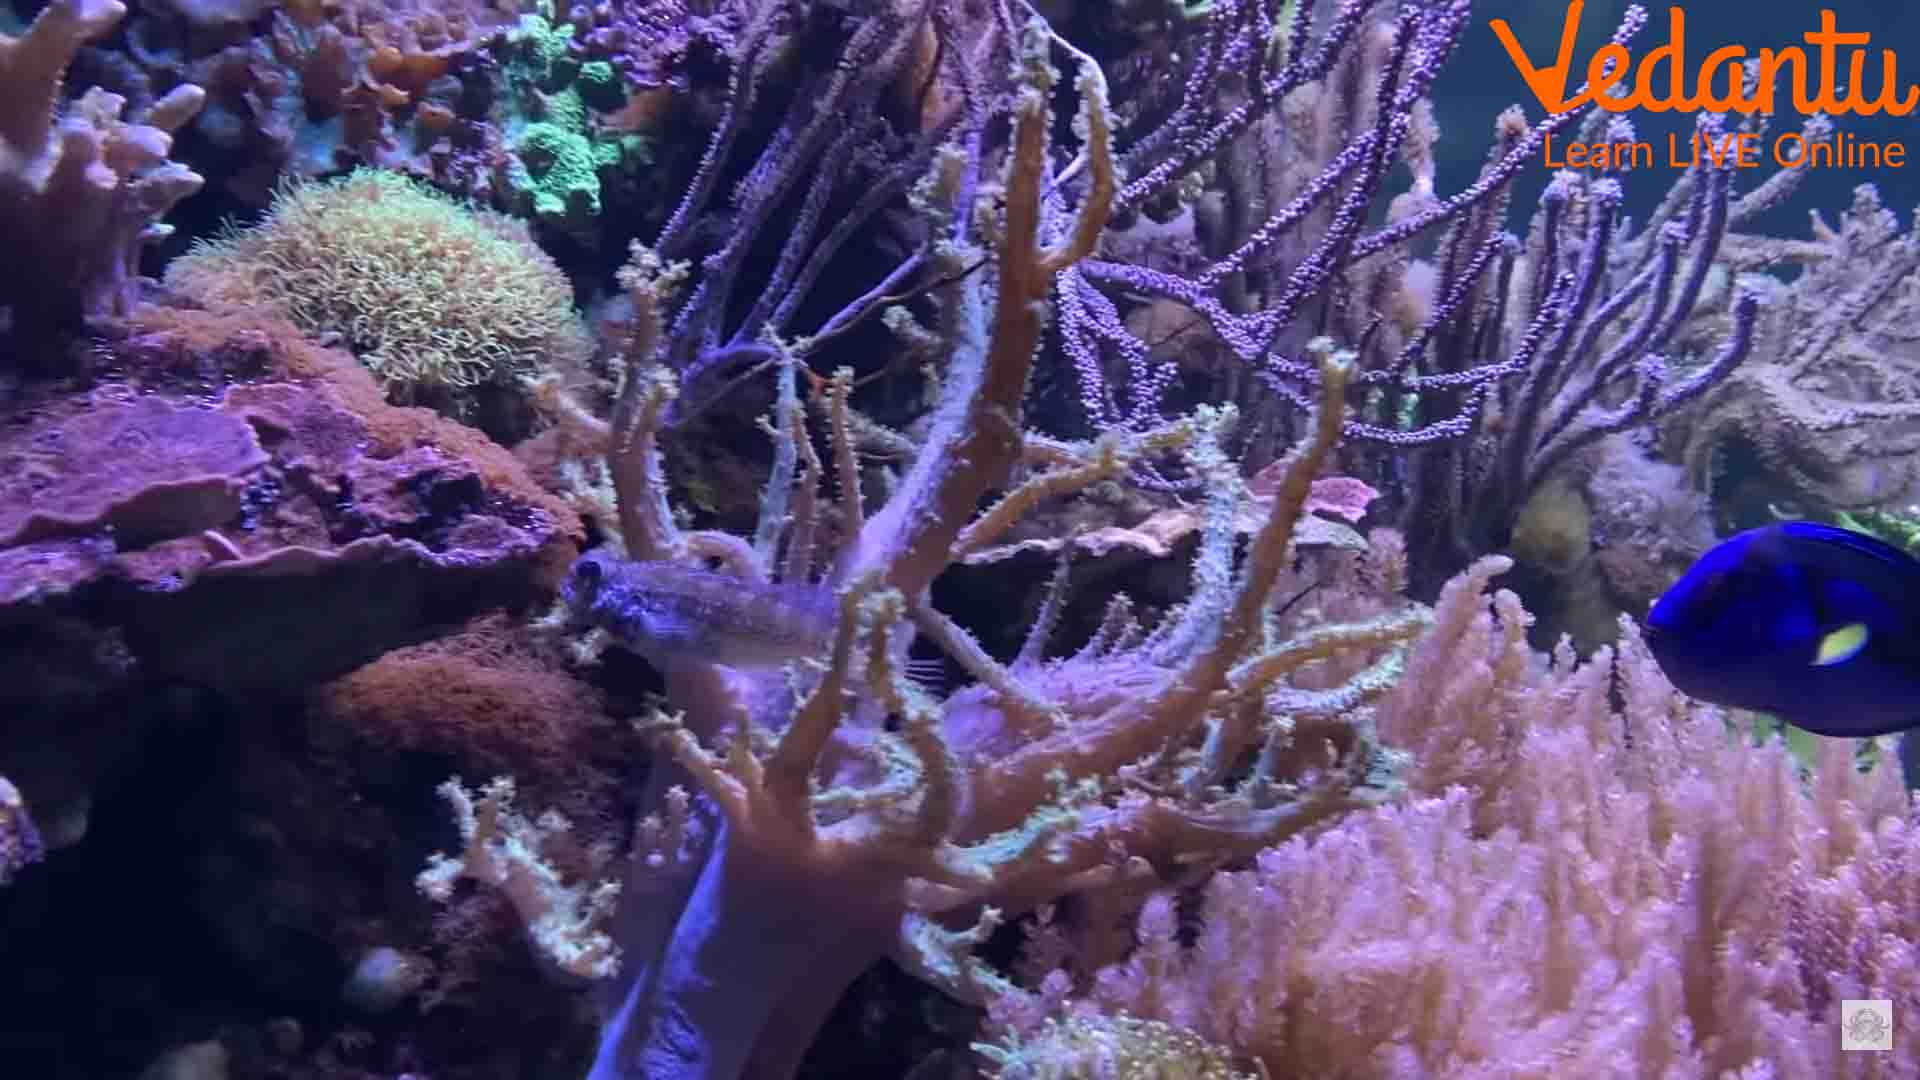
{"x": 920, "y": 627}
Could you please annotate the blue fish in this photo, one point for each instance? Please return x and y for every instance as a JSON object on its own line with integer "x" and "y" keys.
{"x": 1817, "y": 625}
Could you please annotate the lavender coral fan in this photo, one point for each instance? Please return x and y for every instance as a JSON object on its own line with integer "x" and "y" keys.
{"x": 848, "y": 149}
{"x": 812, "y": 814}
{"x": 1478, "y": 374}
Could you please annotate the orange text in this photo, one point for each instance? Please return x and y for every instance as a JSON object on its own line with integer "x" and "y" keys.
{"x": 1611, "y": 63}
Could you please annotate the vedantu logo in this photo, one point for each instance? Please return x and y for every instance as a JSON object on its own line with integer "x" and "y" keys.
{"x": 1718, "y": 85}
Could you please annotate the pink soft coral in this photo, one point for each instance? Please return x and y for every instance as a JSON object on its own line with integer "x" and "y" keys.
{"x": 1583, "y": 888}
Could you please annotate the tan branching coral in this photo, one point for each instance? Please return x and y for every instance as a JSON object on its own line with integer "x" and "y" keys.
{"x": 1830, "y": 402}
{"x": 859, "y": 814}
{"x": 82, "y": 189}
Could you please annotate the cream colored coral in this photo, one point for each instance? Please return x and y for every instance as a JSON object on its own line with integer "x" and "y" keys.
{"x": 1111, "y": 1048}
{"x": 429, "y": 294}
{"x": 567, "y": 922}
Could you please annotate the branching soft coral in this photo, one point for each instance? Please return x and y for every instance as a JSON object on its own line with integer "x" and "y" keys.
{"x": 858, "y": 814}
{"x": 1584, "y": 889}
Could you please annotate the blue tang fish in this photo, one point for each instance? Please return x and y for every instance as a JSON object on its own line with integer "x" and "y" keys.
{"x": 1817, "y": 625}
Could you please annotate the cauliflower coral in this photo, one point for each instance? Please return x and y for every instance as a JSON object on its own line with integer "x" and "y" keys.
{"x": 436, "y": 299}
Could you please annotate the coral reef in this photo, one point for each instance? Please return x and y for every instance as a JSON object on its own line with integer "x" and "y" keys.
{"x": 496, "y": 102}
{"x": 1252, "y": 185}
{"x": 777, "y": 253}
{"x": 561, "y": 162}
{"x": 241, "y": 511}
{"x": 325, "y": 86}
{"x": 1002, "y": 587}
{"x": 1031, "y": 781}
{"x": 210, "y": 517}
{"x": 659, "y": 43}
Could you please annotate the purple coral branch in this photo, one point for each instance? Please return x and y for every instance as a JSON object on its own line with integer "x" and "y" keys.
{"x": 1313, "y": 272}
{"x": 1734, "y": 350}
{"x": 833, "y": 143}
{"x": 1243, "y": 32}
{"x": 1238, "y": 33}
{"x": 1445, "y": 313}
{"x": 1495, "y": 180}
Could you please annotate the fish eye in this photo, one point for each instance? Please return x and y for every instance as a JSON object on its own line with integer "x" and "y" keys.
{"x": 587, "y": 571}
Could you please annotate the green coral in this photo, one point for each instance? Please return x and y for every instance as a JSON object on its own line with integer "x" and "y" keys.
{"x": 560, "y": 171}
{"x": 543, "y": 51}
{"x": 1901, "y": 528}
{"x": 562, "y": 162}
{"x": 435, "y": 298}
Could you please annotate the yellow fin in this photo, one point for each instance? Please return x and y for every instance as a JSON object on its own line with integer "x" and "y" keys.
{"x": 1842, "y": 645}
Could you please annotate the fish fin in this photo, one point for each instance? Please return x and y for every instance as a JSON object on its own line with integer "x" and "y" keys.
{"x": 1841, "y": 645}
{"x": 1858, "y": 542}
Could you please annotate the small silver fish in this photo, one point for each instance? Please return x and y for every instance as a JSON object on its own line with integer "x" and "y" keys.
{"x": 667, "y": 612}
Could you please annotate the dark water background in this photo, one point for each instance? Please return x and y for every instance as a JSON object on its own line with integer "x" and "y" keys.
{"x": 1481, "y": 80}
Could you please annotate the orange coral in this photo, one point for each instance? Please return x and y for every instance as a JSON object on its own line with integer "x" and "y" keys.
{"x": 484, "y": 696}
